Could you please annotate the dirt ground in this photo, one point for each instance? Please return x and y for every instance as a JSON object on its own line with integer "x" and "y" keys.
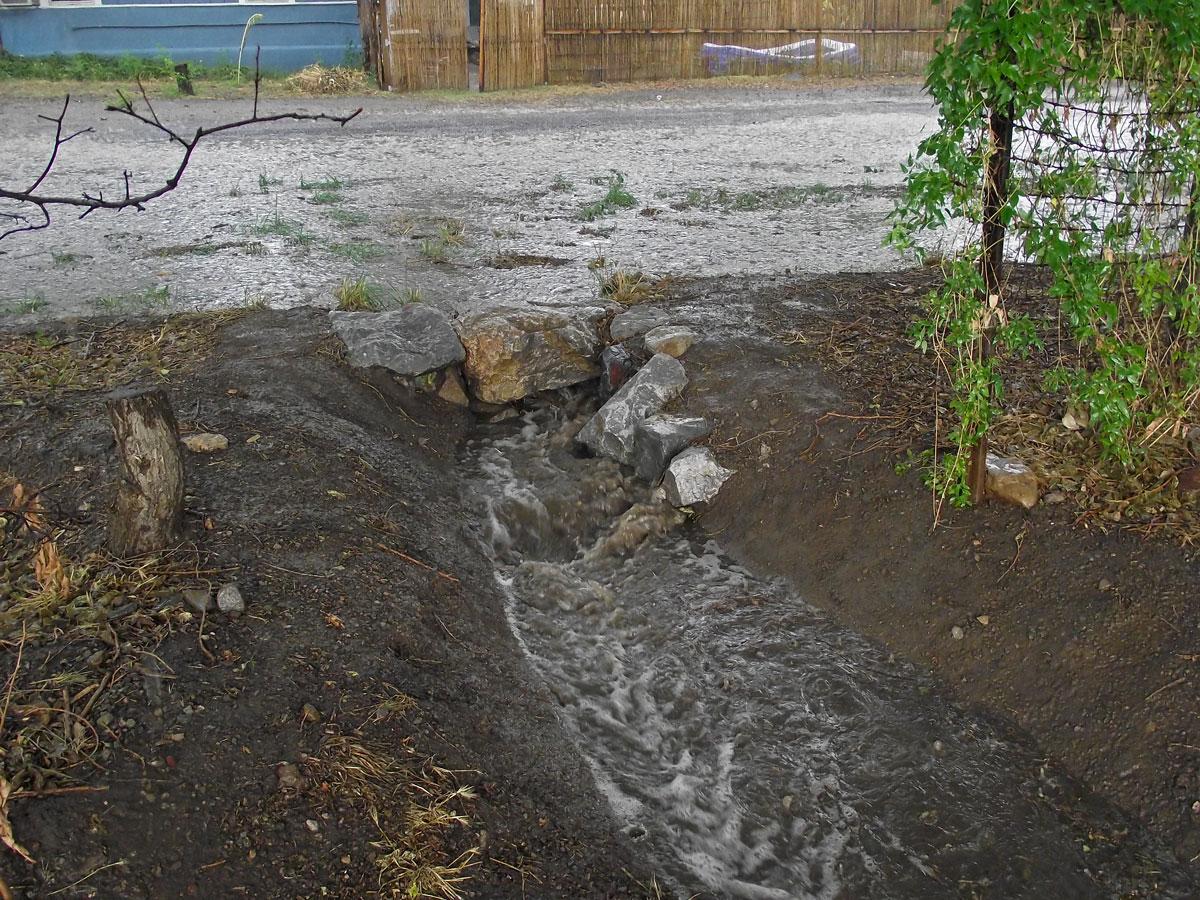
{"x": 374, "y": 675}
{"x": 337, "y": 511}
{"x": 1083, "y": 632}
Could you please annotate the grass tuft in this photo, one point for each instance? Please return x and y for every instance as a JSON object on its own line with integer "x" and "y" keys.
{"x": 25, "y": 306}
{"x": 350, "y": 218}
{"x": 357, "y": 251}
{"x": 357, "y": 295}
{"x": 775, "y": 198}
{"x": 328, "y": 183}
{"x": 452, "y": 232}
{"x": 629, "y": 287}
{"x": 616, "y": 198}
{"x": 435, "y": 251}
{"x": 291, "y": 231}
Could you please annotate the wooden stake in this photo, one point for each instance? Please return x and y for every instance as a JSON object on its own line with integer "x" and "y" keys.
{"x": 148, "y": 510}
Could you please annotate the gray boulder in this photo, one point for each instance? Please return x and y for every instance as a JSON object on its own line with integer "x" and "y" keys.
{"x": 513, "y": 352}
{"x": 657, "y": 440}
{"x": 694, "y": 476}
{"x": 409, "y": 341}
{"x": 611, "y": 431}
{"x": 637, "y": 321}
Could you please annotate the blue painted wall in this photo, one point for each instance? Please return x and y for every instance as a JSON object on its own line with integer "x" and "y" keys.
{"x": 292, "y": 35}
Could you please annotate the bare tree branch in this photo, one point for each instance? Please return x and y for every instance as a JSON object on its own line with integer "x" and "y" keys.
{"x": 33, "y": 209}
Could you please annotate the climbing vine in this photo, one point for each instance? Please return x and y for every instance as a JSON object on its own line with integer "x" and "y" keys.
{"x": 1071, "y": 130}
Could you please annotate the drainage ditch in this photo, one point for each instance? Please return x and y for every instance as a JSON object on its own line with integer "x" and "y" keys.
{"x": 752, "y": 747}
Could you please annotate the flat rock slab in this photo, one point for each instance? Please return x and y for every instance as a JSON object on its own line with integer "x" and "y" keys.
{"x": 673, "y": 340}
{"x": 1011, "y": 481}
{"x": 512, "y": 352}
{"x": 410, "y": 341}
{"x": 611, "y": 431}
{"x": 206, "y": 442}
{"x": 636, "y": 321}
{"x": 658, "y": 439}
{"x": 694, "y": 476}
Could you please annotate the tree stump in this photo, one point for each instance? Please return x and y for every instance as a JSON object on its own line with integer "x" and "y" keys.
{"x": 183, "y": 80}
{"x": 148, "y": 511}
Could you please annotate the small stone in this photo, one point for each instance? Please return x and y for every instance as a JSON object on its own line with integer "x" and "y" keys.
{"x": 1189, "y": 480}
{"x": 230, "y": 601}
{"x": 502, "y": 415}
{"x": 309, "y": 714}
{"x": 206, "y": 443}
{"x": 939, "y": 747}
{"x": 617, "y": 365}
{"x": 984, "y": 620}
{"x": 1105, "y": 585}
{"x": 957, "y": 633}
{"x": 199, "y": 599}
{"x": 452, "y": 389}
{"x": 1076, "y": 418}
{"x": 288, "y": 776}
{"x": 312, "y": 825}
{"x": 1193, "y": 441}
{"x": 694, "y": 476}
{"x": 1011, "y": 481}
{"x": 637, "y": 321}
{"x": 673, "y": 340}
{"x": 1054, "y": 498}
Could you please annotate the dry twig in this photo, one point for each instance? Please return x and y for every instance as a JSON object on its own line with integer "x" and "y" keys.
{"x": 33, "y": 208}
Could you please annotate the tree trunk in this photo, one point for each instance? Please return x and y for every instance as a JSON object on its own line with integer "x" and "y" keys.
{"x": 995, "y": 199}
{"x": 148, "y": 511}
{"x": 368, "y": 18}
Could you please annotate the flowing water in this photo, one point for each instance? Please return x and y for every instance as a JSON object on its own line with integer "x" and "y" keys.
{"x": 751, "y": 747}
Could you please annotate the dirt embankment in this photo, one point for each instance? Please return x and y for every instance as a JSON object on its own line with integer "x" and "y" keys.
{"x": 1088, "y": 639}
{"x": 368, "y": 724}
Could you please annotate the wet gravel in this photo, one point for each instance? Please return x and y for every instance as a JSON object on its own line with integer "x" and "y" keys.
{"x": 808, "y": 175}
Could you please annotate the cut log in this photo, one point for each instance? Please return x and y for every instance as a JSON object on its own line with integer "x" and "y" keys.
{"x": 148, "y": 510}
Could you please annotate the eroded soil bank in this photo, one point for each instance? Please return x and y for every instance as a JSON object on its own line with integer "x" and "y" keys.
{"x": 373, "y": 674}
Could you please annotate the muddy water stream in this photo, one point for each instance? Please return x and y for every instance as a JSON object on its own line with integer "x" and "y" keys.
{"x": 753, "y": 748}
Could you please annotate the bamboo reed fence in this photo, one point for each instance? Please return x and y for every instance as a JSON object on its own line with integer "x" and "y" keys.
{"x": 528, "y": 42}
{"x": 637, "y": 40}
{"x": 511, "y": 44}
{"x": 422, "y": 44}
